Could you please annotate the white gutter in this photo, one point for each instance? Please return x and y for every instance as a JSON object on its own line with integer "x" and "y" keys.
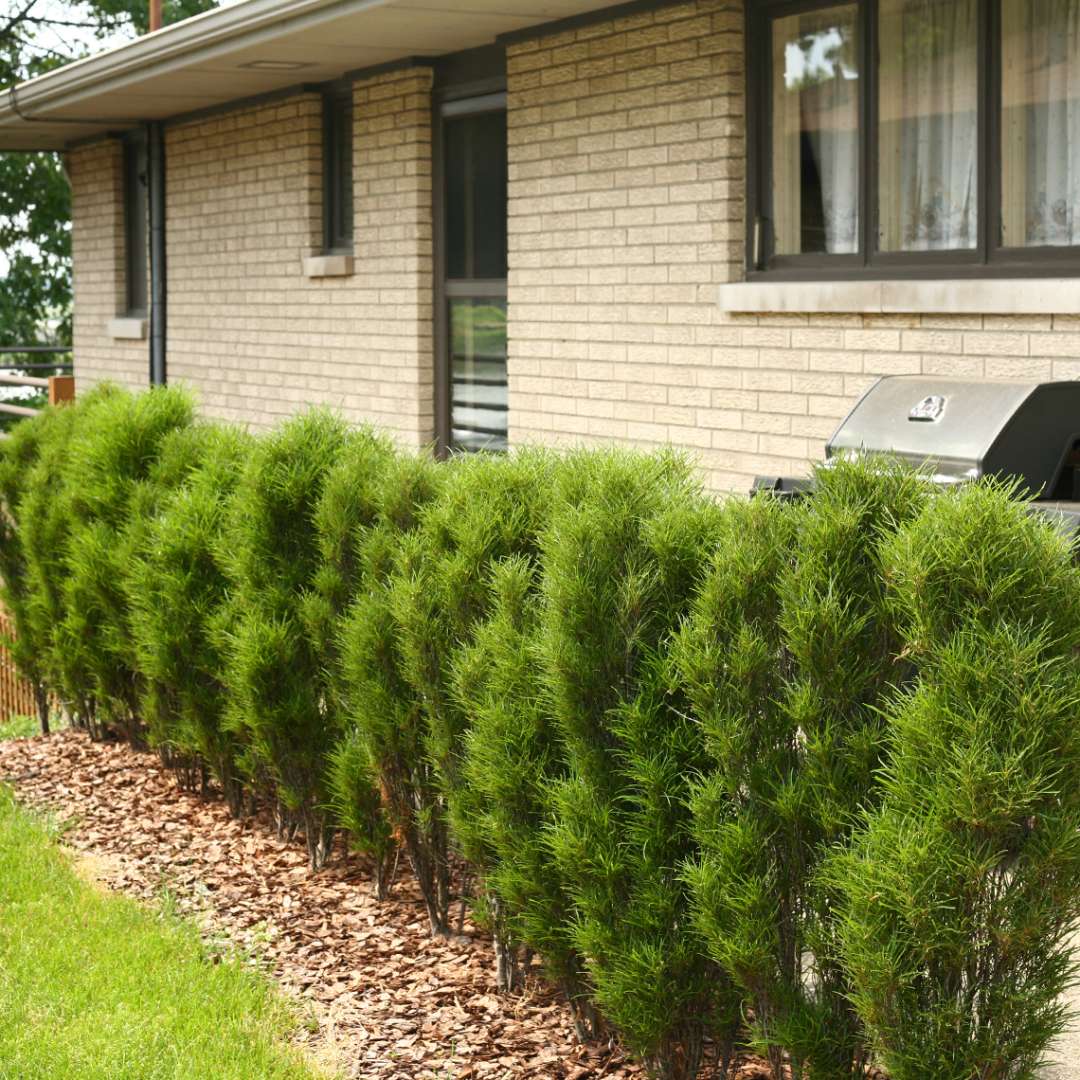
{"x": 206, "y": 35}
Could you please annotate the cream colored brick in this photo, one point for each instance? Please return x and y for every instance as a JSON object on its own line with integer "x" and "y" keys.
{"x": 247, "y": 331}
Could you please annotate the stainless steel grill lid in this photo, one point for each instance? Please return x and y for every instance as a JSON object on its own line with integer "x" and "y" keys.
{"x": 962, "y": 429}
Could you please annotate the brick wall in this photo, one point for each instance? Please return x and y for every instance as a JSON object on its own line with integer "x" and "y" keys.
{"x": 627, "y": 180}
{"x": 97, "y": 241}
{"x": 254, "y": 336}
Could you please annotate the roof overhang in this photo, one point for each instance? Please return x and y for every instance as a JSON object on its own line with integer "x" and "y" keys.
{"x": 250, "y": 48}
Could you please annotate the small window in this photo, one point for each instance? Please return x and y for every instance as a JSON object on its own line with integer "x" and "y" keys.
{"x": 338, "y": 171}
{"x": 915, "y": 138}
{"x": 136, "y": 210}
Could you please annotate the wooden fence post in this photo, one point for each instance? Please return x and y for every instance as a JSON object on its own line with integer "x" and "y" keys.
{"x": 61, "y": 388}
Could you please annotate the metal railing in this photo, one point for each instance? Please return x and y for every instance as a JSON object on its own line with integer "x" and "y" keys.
{"x": 59, "y": 385}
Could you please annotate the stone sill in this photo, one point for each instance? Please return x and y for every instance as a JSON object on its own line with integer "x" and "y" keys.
{"x": 126, "y": 328}
{"x": 320, "y": 266}
{"x": 989, "y": 296}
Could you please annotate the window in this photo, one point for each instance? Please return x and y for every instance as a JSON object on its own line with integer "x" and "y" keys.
{"x": 919, "y": 138}
{"x": 136, "y": 209}
{"x": 338, "y": 170}
{"x": 472, "y": 379}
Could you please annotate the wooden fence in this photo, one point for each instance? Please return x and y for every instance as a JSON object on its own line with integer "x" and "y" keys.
{"x": 16, "y": 694}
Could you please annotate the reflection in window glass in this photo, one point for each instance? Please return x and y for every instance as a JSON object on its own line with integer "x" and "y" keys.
{"x": 476, "y": 208}
{"x": 928, "y": 142}
{"x": 478, "y": 396}
{"x": 1040, "y": 91}
{"x": 816, "y": 132}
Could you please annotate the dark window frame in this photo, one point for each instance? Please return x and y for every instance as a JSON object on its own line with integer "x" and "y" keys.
{"x": 989, "y": 259}
{"x": 467, "y": 83}
{"x": 337, "y": 159}
{"x": 136, "y": 201}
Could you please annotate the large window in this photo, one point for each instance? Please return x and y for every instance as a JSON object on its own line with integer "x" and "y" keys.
{"x": 915, "y": 137}
{"x": 136, "y": 210}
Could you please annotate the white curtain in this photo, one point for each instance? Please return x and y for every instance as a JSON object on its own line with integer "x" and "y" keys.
{"x": 815, "y": 132}
{"x": 928, "y": 152}
{"x": 1041, "y": 122}
{"x": 834, "y": 143}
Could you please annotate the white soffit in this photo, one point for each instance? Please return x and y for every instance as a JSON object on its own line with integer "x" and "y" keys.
{"x": 205, "y": 61}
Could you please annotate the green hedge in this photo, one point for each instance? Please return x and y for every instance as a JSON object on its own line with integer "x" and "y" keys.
{"x": 797, "y": 776}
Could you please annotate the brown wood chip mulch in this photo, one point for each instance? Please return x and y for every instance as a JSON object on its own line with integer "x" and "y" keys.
{"x": 386, "y": 999}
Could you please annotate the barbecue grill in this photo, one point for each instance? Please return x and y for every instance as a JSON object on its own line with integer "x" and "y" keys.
{"x": 960, "y": 430}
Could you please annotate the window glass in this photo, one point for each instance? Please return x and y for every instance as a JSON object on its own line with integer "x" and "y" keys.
{"x": 476, "y": 207}
{"x": 338, "y": 171}
{"x": 478, "y": 397}
{"x": 136, "y": 209}
{"x": 1040, "y": 97}
{"x": 928, "y": 139}
{"x": 815, "y": 122}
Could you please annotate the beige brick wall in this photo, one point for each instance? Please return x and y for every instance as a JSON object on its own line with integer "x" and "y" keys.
{"x": 97, "y": 241}
{"x": 247, "y": 330}
{"x": 627, "y": 182}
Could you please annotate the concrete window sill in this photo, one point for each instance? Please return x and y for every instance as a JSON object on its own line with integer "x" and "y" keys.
{"x": 321, "y": 266}
{"x": 992, "y": 296}
{"x": 126, "y": 328}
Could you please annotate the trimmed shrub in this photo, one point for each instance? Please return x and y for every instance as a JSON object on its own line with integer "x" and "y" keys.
{"x": 19, "y": 454}
{"x": 488, "y": 508}
{"x": 961, "y": 891}
{"x": 385, "y": 743}
{"x": 786, "y": 659}
{"x": 511, "y": 761}
{"x": 114, "y": 451}
{"x": 347, "y": 509}
{"x": 627, "y": 539}
{"x": 177, "y": 592}
{"x": 275, "y": 675}
{"x": 46, "y": 522}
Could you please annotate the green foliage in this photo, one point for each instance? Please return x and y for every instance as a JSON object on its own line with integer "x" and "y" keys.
{"x": 626, "y": 541}
{"x": 275, "y": 675}
{"x": 35, "y": 235}
{"x": 386, "y": 744}
{"x": 511, "y": 761}
{"x": 808, "y": 766}
{"x": 119, "y": 462}
{"x": 786, "y": 659}
{"x": 45, "y": 526}
{"x": 976, "y": 556}
{"x": 19, "y": 454}
{"x": 347, "y": 508}
{"x": 177, "y": 590}
{"x": 961, "y": 890}
{"x": 488, "y": 508}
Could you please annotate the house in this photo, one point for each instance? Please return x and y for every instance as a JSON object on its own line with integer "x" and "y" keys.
{"x": 703, "y": 222}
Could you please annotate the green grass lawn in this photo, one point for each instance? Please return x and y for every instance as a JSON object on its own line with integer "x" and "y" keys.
{"x": 97, "y": 987}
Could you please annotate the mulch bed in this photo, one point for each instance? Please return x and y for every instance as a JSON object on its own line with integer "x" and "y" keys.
{"x": 388, "y": 1000}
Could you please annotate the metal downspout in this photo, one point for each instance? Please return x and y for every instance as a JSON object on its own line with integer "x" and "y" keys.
{"x": 155, "y": 135}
